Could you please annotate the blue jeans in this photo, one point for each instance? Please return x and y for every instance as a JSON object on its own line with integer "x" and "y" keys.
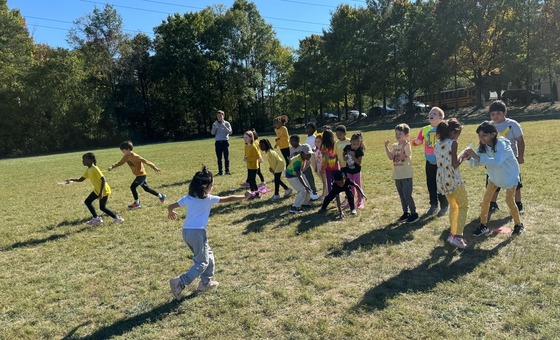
{"x": 203, "y": 257}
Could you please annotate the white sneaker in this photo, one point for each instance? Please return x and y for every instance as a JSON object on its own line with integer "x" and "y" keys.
{"x": 95, "y": 221}
{"x": 118, "y": 220}
{"x": 353, "y": 212}
{"x": 314, "y": 197}
{"x": 288, "y": 193}
{"x": 275, "y": 197}
{"x": 210, "y": 285}
{"x": 176, "y": 288}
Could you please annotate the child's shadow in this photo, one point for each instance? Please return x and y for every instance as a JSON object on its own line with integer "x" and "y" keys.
{"x": 312, "y": 219}
{"x": 438, "y": 268}
{"x": 258, "y": 221}
{"x": 54, "y": 237}
{"x": 393, "y": 233}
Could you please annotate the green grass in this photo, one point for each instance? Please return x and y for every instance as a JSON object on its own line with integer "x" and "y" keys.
{"x": 282, "y": 276}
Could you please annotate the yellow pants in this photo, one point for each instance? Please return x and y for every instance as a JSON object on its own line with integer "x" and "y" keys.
{"x": 458, "y": 208}
{"x": 510, "y": 201}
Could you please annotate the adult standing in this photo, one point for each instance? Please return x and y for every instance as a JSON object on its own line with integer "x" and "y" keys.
{"x": 221, "y": 129}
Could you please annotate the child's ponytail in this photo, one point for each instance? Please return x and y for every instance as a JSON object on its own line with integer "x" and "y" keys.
{"x": 200, "y": 182}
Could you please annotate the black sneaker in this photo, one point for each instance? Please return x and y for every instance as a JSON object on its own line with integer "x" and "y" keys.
{"x": 228, "y": 173}
{"x": 481, "y": 230}
{"x": 518, "y": 229}
{"x": 403, "y": 218}
{"x": 412, "y": 218}
{"x": 520, "y": 207}
{"x": 493, "y": 207}
{"x": 219, "y": 173}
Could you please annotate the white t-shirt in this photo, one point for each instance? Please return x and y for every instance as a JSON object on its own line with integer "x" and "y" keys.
{"x": 511, "y": 130}
{"x": 198, "y": 210}
{"x": 310, "y": 140}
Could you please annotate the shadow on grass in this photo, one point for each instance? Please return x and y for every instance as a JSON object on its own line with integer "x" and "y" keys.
{"x": 393, "y": 233}
{"x": 259, "y": 220}
{"x": 36, "y": 242}
{"x": 126, "y": 325}
{"x": 177, "y": 184}
{"x": 67, "y": 223}
{"x": 438, "y": 268}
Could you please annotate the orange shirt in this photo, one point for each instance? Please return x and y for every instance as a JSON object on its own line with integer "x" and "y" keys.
{"x": 136, "y": 163}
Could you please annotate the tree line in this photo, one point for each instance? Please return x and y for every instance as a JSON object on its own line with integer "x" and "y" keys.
{"x": 110, "y": 86}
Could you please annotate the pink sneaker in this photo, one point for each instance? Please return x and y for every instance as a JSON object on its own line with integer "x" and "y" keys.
{"x": 361, "y": 205}
{"x": 210, "y": 285}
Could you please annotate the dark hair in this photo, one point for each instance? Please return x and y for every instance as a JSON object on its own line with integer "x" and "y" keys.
{"x": 341, "y": 128}
{"x": 487, "y": 127}
{"x": 328, "y": 139}
{"x": 338, "y": 175}
{"x": 90, "y": 156}
{"x": 446, "y": 127}
{"x": 295, "y": 137}
{"x": 311, "y": 125}
{"x": 358, "y": 136}
{"x": 497, "y": 105}
{"x": 265, "y": 145}
{"x": 403, "y": 127}
{"x": 200, "y": 181}
{"x": 255, "y": 136}
{"x": 126, "y": 145}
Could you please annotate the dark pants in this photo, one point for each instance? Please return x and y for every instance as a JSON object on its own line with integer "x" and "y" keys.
{"x": 141, "y": 181}
{"x": 222, "y": 148}
{"x": 431, "y": 181}
{"x": 286, "y": 154}
{"x": 308, "y": 172}
{"x": 259, "y": 173}
{"x": 278, "y": 183}
{"x": 337, "y": 190}
{"x": 102, "y": 205}
{"x": 252, "y": 179}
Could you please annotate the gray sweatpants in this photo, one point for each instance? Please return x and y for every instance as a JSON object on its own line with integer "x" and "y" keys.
{"x": 203, "y": 257}
{"x": 404, "y": 187}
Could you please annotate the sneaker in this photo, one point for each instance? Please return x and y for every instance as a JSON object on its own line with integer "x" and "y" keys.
{"x": 162, "y": 198}
{"x": 518, "y": 229}
{"x": 254, "y": 195}
{"x": 210, "y": 285}
{"x": 520, "y": 207}
{"x": 403, "y": 217}
{"x": 219, "y": 173}
{"x": 361, "y": 205}
{"x": 134, "y": 205}
{"x": 353, "y": 212}
{"x": 443, "y": 211}
{"x": 322, "y": 211}
{"x": 481, "y": 230}
{"x": 412, "y": 218}
{"x": 295, "y": 210}
{"x": 263, "y": 184}
{"x": 118, "y": 220}
{"x": 432, "y": 210}
{"x": 287, "y": 193}
{"x": 95, "y": 221}
{"x": 176, "y": 287}
{"x": 228, "y": 173}
{"x": 450, "y": 238}
{"x": 458, "y": 242}
{"x": 314, "y": 197}
{"x": 493, "y": 207}
{"x": 275, "y": 197}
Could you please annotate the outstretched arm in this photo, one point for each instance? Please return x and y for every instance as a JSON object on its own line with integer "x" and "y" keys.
{"x": 171, "y": 214}
{"x": 81, "y": 179}
{"x": 233, "y": 198}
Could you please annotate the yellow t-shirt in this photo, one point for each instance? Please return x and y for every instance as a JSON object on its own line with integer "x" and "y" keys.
{"x": 339, "y": 148}
{"x": 283, "y": 141}
{"x": 253, "y": 155}
{"x": 94, "y": 174}
{"x": 275, "y": 161}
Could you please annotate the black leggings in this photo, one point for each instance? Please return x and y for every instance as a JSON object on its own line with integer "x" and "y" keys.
{"x": 102, "y": 205}
{"x": 141, "y": 181}
{"x": 286, "y": 154}
{"x": 259, "y": 173}
{"x": 278, "y": 183}
{"x": 252, "y": 179}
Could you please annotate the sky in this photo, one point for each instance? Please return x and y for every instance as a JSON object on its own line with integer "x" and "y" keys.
{"x": 49, "y": 21}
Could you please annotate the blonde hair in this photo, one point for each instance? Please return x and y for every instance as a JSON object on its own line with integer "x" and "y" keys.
{"x": 282, "y": 119}
{"x": 438, "y": 110}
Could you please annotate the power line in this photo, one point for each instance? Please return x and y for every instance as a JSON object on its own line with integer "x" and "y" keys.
{"x": 70, "y": 22}
{"x": 121, "y": 6}
{"x": 309, "y": 3}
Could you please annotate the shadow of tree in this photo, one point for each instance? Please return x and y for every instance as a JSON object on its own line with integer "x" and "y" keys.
{"x": 35, "y": 242}
{"x": 438, "y": 268}
{"x": 125, "y": 325}
{"x": 393, "y": 233}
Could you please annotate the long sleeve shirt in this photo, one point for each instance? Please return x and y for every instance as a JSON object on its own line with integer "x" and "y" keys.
{"x": 136, "y": 163}
{"x": 221, "y": 130}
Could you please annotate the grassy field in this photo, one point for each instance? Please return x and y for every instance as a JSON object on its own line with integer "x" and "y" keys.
{"x": 282, "y": 276}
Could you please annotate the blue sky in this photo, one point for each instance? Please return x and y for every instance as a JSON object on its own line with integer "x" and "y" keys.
{"x": 292, "y": 20}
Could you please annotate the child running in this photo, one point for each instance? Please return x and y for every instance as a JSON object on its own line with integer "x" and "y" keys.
{"x": 296, "y": 179}
{"x": 282, "y": 140}
{"x": 353, "y": 154}
{"x": 252, "y": 158}
{"x": 136, "y": 163}
{"x": 317, "y": 165}
{"x": 427, "y": 136}
{"x": 401, "y": 155}
{"x": 198, "y": 202}
{"x": 341, "y": 184}
{"x": 503, "y": 172}
{"x": 276, "y": 166}
{"x": 449, "y": 180}
{"x": 101, "y": 190}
